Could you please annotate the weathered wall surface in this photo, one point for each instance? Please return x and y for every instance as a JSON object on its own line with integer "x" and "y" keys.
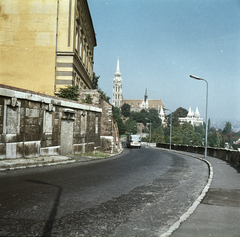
{"x": 46, "y": 45}
{"x": 34, "y": 124}
{"x": 27, "y": 45}
{"x": 110, "y": 139}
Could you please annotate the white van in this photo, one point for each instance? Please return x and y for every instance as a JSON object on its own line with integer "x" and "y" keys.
{"x": 134, "y": 141}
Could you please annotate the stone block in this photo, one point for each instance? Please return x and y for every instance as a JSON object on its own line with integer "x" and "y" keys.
{"x": 50, "y": 151}
{"x": 32, "y": 148}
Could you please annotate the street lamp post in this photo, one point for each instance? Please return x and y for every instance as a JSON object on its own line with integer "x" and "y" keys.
{"x": 150, "y": 130}
{"x": 170, "y": 129}
{"x": 206, "y": 121}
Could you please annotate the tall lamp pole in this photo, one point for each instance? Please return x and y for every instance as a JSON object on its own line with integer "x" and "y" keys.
{"x": 150, "y": 130}
{"x": 170, "y": 129}
{"x": 206, "y": 121}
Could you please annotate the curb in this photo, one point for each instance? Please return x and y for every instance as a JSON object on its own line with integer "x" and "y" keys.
{"x": 42, "y": 164}
{"x": 37, "y": 165}
{"x": 193, "y": 207}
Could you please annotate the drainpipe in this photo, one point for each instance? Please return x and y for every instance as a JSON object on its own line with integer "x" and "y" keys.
{"x": 55, "y": 79}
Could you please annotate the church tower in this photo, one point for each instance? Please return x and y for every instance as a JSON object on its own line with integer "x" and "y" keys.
{"x": 117, "y": 88}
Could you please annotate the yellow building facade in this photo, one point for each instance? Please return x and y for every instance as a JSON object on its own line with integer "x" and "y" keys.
{"x": 46, "y": 45}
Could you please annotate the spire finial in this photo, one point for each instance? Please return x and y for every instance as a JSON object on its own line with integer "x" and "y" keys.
{"x": 145, "y": 96}
{"x": 118, "y": 68}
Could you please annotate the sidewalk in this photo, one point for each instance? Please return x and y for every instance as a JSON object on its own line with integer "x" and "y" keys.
{"x": 218, "y": 214}
{"x": 13, "y": 164}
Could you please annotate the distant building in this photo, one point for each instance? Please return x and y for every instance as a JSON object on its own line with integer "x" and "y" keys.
{"x": 135, "y": 105}
{"x": 138, "y": 105}
{"x": 46, "y": 45}
{"x": 117, "y": 87}
{"x": 192, "y": 117}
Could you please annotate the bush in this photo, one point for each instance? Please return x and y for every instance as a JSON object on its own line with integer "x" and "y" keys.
{"x": 71, "y": 93}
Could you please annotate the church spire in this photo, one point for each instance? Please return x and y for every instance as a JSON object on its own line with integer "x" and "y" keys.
{"x": 118, "y": 73}
{"x": 117, "y": 87}
{"x": 145, "y": 96}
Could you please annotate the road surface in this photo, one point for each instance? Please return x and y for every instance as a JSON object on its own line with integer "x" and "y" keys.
{"x": 138, "y": 193}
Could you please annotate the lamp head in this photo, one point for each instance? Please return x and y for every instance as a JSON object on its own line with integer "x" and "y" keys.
{"x": 195, "y": 77}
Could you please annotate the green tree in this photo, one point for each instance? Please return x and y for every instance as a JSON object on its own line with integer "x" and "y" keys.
{"x": 213, "y": 139}
{"x": 157, "y": 135}
{"x": 181, "y": 112}
{"x": 187, "y": 133}
{"x": 131, "y": 126}
{"x": 200, "y": 129}
{"x": 117, "y": 119}
{"x": 125, "y": 110}
{"x": 95, "y": 81}
{"x": 228, "y": 128}
{"x": 176, "y": 140}
{"x": 209, "y": 124}
{"x": 222, "y": 142}
{"x": 139, "y": 117}
{"x": 197, "y": 139}
{"x": 70, "y": 92}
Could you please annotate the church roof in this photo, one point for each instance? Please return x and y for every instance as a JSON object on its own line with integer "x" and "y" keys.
{"x": 151, "y": 103}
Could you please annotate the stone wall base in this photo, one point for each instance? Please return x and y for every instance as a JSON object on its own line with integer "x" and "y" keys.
{"x": 50, "y": 151}
{"x": 109, "y": 146}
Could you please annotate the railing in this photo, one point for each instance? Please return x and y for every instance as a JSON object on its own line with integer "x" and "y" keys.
{"x": 231, "y": 156}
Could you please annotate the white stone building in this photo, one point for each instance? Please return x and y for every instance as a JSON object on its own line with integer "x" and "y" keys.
{"x": 192, "y": 117}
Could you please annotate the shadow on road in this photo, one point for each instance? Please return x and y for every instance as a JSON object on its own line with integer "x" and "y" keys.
{"x": 49, "y": 224}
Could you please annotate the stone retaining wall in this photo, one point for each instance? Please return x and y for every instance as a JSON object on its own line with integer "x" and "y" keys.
{"x": 232, "y": 156}
{"x": 110, "y": 139}
{"x": 34, "y": 124}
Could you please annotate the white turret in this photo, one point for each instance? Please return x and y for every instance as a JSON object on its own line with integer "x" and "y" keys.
{"x": 162, "y": 116}
{"x": 193, "y": 118}
{"x": 197, "y": 114}
{"x": 190, "y": 112}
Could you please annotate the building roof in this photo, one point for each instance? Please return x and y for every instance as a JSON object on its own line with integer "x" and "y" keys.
{"x": 151, "y": 103}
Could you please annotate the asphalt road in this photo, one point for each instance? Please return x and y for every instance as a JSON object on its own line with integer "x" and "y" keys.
{"x": 138, "y": 193}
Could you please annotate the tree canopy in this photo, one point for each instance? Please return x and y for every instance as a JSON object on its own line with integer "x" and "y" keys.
{"x": 117, "y": 119}
{"x": 181, "y": 134}
{"x": 125, "y": 110}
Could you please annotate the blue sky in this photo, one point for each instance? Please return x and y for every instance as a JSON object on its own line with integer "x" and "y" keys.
{"x": 161, "y": 42}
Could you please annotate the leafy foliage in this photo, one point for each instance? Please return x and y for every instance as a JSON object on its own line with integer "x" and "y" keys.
{"x": 181, "y": 112}
{"x": 117, "y": 119}
{"x": 88, "y": 99}
{"x": 228, "y": 128}
{"x": 95, "y": 81}
{"x": 181, "y": 134}
{"x": 125, "y": 110}
{"x": 131, "y": 126}
{"x": 70, "y": 92}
